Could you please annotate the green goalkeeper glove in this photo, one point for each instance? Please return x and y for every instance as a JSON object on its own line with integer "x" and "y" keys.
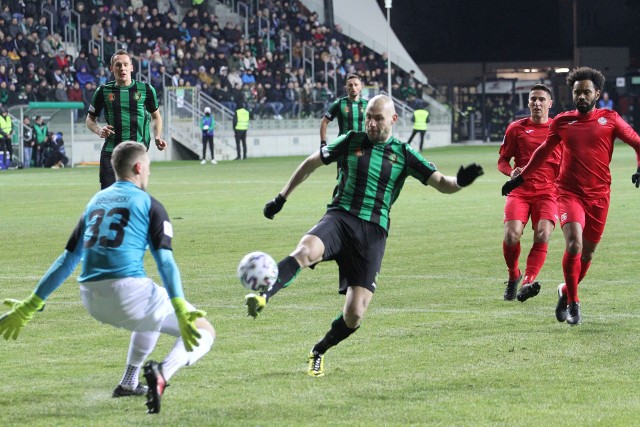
{"x": 21, "y": 312}
{"x": 186, "y": 321}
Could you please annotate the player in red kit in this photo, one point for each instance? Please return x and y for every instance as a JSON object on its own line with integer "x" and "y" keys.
{"x": 587, "y": 135}
{"x": 535, "y": 199}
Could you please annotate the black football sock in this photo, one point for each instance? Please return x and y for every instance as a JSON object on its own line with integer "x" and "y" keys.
{"x": 339, "y": 331}
{"x": 288, "y": 269}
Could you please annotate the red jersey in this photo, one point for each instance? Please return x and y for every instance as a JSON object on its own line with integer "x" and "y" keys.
{"x": 587, "y": 140}
{"x": 521, "y": 139}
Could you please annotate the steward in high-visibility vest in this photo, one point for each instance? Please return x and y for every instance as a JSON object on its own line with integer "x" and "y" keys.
{"x": 6, "y": 130}
{"x": 240, "y": 126}
{"x": 420, "y": 119}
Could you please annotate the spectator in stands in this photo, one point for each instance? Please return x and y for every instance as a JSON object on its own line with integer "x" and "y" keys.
{"x": 335, "y": 52}
{"x": 29, "y": 95}
{"x": 273, "y": 99}
{"x": 81, "y": 61}
{"x": 88, "y": 90}
{"x": 83, "y": 76}
{"x": 4, "y": 94}
{"x": 249, "y": 61}
{"x": 13, "y": 96}
{"x": 292, "y": 106}
{"x": 74, "y": 94}
{"x": 60, "y": 93}
{"x": 95, "y": 61}
{"x": 44, "y": 93}
{"x": 247, "y": 77}
{"x": 224, "y": 96}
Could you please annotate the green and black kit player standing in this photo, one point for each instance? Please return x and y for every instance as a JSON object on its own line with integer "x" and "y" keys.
{"x": 350, "y": 111}
{"x": 129, "y": 106}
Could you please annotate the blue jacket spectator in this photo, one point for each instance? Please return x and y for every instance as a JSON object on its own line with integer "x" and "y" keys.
{"x": 84, "y": 76}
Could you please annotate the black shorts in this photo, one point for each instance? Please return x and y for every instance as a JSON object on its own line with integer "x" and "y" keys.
{"x": 356, "y": 245}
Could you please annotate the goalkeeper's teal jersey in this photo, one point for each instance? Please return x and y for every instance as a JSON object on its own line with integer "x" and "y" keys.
{"x": 127, "y": 109}
{"x": 118, "y": 225}
{"x": 373, "y": 174}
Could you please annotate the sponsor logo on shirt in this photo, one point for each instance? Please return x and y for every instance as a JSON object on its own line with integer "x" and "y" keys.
{"x": 528, "y": 130}
{"x": 572, "y": 122}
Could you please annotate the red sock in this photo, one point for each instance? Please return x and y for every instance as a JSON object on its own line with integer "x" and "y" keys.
{"x": 584, "y": 267}
{"x": 511, "y": 255}
{"x": 571, "y": 269}
{"x": 535, "y": 261}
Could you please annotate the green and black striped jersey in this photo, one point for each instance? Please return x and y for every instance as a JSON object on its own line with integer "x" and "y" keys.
{"x": 127, "y": 109}
{"x": 350, "y": 114}
{"x": 373, "y": 174}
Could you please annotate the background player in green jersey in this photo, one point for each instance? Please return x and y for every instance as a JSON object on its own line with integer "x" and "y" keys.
{"x": 128, "y": 105}
{"x": 353, "y": 231}
{"x": 349, "y": 110}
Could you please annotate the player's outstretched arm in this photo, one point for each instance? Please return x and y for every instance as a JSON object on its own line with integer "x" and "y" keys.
{"x": 303, "y": 171}
{"x": 20, "y": 313}
{"x": 450, "y": 184}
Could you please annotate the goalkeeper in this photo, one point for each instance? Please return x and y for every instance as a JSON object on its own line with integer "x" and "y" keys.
{"x": 110, "y": 239}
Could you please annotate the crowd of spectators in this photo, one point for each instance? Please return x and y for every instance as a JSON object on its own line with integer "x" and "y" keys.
{"x": 262, "y": 70}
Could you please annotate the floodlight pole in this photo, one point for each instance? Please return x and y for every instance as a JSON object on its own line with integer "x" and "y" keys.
{"x": 387, "y": 5}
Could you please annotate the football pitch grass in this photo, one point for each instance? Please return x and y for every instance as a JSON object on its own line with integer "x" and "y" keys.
{"x": 438, "y": 345}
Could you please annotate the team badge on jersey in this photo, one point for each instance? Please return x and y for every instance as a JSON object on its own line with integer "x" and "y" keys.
{"x": 137, "y": 95}
{"x": 111, "y": 97}
{"x": 346, "y": 109}
{"x": 602, "y": 121}
{"x": 392, "y": 157}
{"x": 359, "y": 152}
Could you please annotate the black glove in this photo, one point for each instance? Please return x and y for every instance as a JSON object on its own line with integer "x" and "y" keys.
{"x": 274, "y": 206}
{"x": 635, "y": 178}
{"x": 466, "y": 175}
{"x": 512, "y": 184}
{"x": 322, "y": 144}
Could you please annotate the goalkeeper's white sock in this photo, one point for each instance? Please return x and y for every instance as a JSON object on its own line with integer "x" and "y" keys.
{"x": 179, "y": 356}
{"x": 140, "y": 346}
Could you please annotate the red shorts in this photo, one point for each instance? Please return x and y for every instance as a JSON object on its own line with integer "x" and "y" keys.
{"x": 591, "y": 214}
{"x": 539, "y": 207}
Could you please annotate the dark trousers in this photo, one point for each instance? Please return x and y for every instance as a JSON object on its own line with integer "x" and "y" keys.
{"x": 421, "y": 132}
{"x": 5, "y": 145}
{"x": 241, "y": 139}
{"x": 207, "y": 140}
